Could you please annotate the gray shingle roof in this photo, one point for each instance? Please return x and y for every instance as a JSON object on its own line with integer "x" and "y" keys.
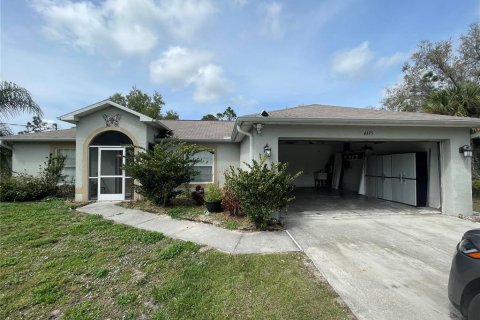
{"x": 183, "y": 129}
{"x": 316, "y": 111}
{"x": 65, "y": 134}
{"x": 201, "y": 130}
{"x": 196, "y": 130}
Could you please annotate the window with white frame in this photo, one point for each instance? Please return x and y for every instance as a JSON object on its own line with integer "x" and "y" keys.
{"x": 205, "y": 167}
{"x": 69, "y": 169}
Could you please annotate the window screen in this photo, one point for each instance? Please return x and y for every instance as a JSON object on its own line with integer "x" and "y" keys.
{"x": 204, "y": 168}
{"x": 69, "y": 169}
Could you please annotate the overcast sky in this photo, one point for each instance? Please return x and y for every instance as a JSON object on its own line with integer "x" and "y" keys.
{"x": 203, "y": 55}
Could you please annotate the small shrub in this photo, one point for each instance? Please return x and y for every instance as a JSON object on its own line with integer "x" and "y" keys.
{"x": 213, "y": 194}
{"x": 52, "y": 171}
{"x": 175, "y": 249}
{"x": 476, "y": 187}
{"x": 261, "y": 189}
{"x": 230, "y": 202}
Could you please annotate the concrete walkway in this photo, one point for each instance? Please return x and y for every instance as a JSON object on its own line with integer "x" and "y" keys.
{"x": 201, "y": 233}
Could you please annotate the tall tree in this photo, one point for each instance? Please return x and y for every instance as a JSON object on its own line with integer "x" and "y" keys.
{"x": 227, "y": 115}
{"x": 13, "y": 101}
{"x": 209, "y": 117}
{"x": 38, "y": 125}
{"x": 436, "y": 66}
{"x": 141, "y": 102}
{"x": 171, "y": 115}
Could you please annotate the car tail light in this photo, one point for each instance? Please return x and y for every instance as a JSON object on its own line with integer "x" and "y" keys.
{"x": 469, "y": 249}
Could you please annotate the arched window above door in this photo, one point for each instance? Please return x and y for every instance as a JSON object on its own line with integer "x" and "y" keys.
{"x": 111, "y": 138}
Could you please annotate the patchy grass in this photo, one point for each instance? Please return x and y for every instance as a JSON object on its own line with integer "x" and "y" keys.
{"x": 476, "y": 209}
{"x": 58, "y": 263}
{"x": 184, "y": 209}
{"x": 476, "y": 203}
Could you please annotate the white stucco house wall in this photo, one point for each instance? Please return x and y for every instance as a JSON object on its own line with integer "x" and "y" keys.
{"x": 341, "y": 143}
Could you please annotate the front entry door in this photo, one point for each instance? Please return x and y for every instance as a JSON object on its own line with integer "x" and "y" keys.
{"x": 111, "y": 184}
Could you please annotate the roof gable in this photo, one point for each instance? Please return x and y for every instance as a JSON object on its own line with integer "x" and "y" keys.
{"x": 75, "y": 116}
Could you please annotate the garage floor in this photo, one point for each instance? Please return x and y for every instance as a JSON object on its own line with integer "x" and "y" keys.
{"x": 386, "y": 260}
{"x": 318, "y": 202}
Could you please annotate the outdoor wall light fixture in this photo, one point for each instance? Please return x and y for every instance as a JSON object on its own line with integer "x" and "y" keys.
{"x": 466, "y": 150}
{"x": 267, "y": 150}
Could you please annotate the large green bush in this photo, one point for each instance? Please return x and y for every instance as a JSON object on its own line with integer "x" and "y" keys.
{"x": 24, "y": 187}
{"x": 261, "y": 189}
{"x": 161, "y": 170}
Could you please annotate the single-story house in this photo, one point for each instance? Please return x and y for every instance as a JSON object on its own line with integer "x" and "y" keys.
{"x": 414, "y": 158}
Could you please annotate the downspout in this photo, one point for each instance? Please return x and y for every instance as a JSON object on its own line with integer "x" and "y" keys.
{"x": 250, "y": 137}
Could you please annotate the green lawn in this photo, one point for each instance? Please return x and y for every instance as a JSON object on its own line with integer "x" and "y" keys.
{"x": 56, "y": 262}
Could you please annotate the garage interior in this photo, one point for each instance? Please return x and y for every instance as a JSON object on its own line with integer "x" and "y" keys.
{"x": 372, "y": 175}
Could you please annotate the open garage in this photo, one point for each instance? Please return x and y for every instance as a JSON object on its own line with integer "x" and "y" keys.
{"x": 413, "y": 159}
{"x": 405, "y": 172}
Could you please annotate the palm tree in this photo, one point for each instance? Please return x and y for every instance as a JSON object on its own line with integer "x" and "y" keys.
{"x": 463, "y": 101}
{"x": 13, "y": 101}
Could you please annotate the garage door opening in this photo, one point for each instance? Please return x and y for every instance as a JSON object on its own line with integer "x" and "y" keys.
{"x": 403, "y": 172}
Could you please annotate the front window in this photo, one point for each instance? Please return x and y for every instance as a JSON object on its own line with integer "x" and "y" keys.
{"x": 205, "y": 168}
{"x": 69, "y": 169}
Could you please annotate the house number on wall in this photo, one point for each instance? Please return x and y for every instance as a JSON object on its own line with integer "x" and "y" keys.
{"x": 368, "y": 133}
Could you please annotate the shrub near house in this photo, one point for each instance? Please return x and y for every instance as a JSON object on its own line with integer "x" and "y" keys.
{"x": 261, "y": 189}
{"x": 24, "y": 187}
{"x": 161, "y": 170}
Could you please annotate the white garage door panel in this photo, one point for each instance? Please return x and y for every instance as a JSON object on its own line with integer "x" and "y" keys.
{"x": 380, "y": 187}
{"x": 387, "y": 166}
{"x": 409, "y": 189}
{"x": 409, "y": 166}
{"x": 397, "y": 190}
{"x": 387, "y": 188}
{"x": 371, "y": 183}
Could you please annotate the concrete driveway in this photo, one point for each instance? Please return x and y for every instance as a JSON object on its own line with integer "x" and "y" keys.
{"x": 386, "y": 260}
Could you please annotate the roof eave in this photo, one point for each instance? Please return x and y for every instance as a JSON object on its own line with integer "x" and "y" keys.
{"x": 38, "y": 139}
{"x": 357, "y": 122}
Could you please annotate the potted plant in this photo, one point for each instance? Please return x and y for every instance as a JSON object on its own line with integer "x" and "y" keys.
{"x": 213, "y": 198}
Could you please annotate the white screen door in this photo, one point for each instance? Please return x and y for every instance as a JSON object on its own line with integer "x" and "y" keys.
{"x": 111, "y": 177}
